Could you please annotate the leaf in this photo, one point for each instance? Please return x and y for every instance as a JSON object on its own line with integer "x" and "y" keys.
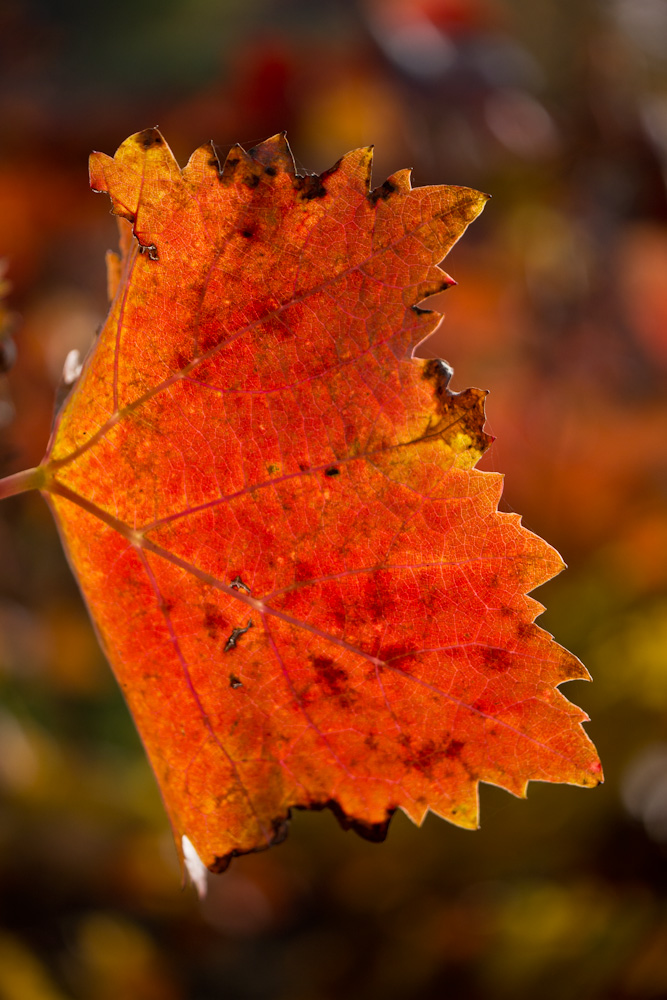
{"x": 305, "y": 588}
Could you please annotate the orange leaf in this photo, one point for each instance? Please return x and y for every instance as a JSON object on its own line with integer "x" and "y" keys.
{"x": 305, "y": 588}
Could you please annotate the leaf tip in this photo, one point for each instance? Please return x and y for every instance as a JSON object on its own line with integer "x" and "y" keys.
{"x": 204, "y": 158}
{"x": 274, "y": 154}
{"x": 148, "y": 138}
{"x": 97, "y": 167}
{"x": 354, "y": 168}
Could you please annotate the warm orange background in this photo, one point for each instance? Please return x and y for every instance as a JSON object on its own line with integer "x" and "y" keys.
{"x": 560, "y": 112}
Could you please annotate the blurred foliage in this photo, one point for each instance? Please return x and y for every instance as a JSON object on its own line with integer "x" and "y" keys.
{"x": 560, "y": 111}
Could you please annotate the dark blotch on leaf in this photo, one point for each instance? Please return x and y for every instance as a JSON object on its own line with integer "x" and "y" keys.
{"x": 423, "y": 759}
{"x": 235, "y": 682}
{"x": 332, "y": 677}
{"x": 429, "y": 754}
{"x": 453, "y": 749}
{"x": 271, "y": 171}
{"x": 214, "y": 620}
{"x": 312, "y": 187}
{"x": 251, "y": 180}
{"x": 247, "y": 234}
{"x": 149, "y": 137}
{"x": 333, "y": 471}
{"x": 496, "y": 659}
{"x": 393, "y": 654}
{"x": 382, "y": 193}
{"x": 209, "y": 340}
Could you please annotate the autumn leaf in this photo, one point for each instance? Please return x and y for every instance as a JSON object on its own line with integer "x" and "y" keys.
{"x": 305, "y": 588}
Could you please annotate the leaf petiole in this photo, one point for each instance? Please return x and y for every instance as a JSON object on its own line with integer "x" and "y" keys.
{"x": 20, "y": 482}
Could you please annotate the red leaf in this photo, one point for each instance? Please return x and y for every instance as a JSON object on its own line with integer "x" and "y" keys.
{"x": 306, "y": 590}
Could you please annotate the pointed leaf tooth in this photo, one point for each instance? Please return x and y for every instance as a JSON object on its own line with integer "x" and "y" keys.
{"x": 393, "y": 186}
{"x": 274, "y": 154}
{"x": 148, "y": 151}
{"x": 464, "y": 812}
{"x": 202, "y": 165}
{"x": 239, "y": 167}
{"x": 402, "y": 180}
{"x": 415, "y": 810}
{"x": 352, "y": 170}
{"x": 98, "y": 166}
{"x": 519, "y": 789}
{"x": 122, "y": 177}
{"x": 435, "y": 281}
{"x": 108, "y": 177}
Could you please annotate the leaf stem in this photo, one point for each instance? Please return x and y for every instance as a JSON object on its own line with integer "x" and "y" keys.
{"x": 20, "y": 482}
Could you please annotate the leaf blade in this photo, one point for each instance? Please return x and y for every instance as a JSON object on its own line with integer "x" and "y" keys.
{"x": 252, "y": 413}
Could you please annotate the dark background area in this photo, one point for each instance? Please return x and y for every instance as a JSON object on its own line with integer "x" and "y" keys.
{"x": 558, "y": 110}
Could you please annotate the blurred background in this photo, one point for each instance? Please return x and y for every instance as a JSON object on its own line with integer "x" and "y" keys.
{"x": 559, "y": 110}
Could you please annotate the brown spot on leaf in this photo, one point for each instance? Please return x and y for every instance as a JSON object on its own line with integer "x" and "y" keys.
{"x": 496, "y": 659}
{"x": 149, "y": 137}
{"x": 382, "y": 193}
{"x": 484, "y": 706}
{"x": 311, "y": 187}
{"x": 209, "y": 340}
{"x": 396, "y": 655}
{"x": 427, "y": 756}
{"x": 453, "y": 749}
{"x": 214, "y": 621}
{"x": 304, "y": 571}
{"x": 330, "y": 675}
{"x": 424, "y": 758}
